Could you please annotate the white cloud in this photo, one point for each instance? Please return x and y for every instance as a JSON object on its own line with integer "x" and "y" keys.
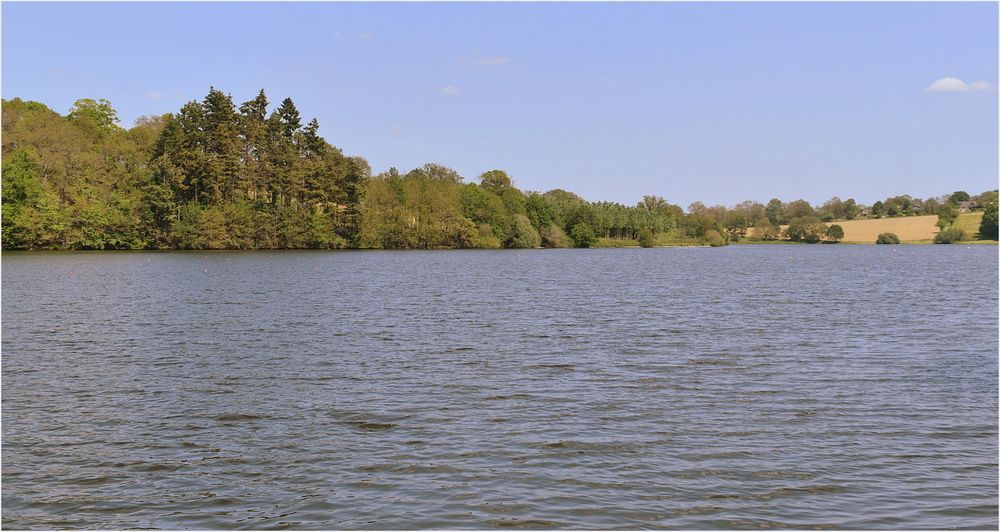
{"x": 450, "y": 90}
{"x": 487, "y": 60}
{"x": 153, "y": 96}
{"x": 361, "y": 36}
{"x": 950, "y": 84}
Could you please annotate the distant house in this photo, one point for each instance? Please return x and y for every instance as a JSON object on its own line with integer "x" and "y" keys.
{"x": 966, "y": 206}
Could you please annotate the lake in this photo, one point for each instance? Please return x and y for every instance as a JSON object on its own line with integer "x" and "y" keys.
{"x": 741, "y": 387}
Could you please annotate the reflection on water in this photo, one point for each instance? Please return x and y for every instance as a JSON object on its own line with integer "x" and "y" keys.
{"x": 745, "y": 387}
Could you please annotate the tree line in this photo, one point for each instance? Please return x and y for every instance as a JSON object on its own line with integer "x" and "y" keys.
{"x": 216, "y": 175}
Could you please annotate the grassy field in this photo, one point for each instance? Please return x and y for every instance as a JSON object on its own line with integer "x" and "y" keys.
{"x": 908, "y": 229}
{"x": 969, "y": 222}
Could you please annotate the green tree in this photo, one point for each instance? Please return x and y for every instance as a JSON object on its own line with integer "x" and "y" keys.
{"x": 764, "y": 230}
{"x": 946, "y": 215}
{"x": 583, "y": 236}
{"x": 799, "y": 209}
{"x": 988, "y": 226}
{"x": 958, "y": 196}
{"x": 834, "y": 233}
{"x": 523, "y": 234}
{"x": 222, "y": 147}
{"x": 775, "y": 212}
{"x": 646, "y": 239}
{"x": 98, "y": 113}
{"x": 288, "y": 117}
{"x": 496, "y": 181}
{"x": 806, "y": 229}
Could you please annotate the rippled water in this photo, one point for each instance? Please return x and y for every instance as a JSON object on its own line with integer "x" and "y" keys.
{"x": 742, "y": 387}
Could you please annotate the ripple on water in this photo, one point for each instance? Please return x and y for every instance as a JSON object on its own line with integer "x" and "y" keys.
{"x": 752, "y": 387}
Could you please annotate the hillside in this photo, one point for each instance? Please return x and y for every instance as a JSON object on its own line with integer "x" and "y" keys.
{"x": 969, "y": 222}
{"x": 908, "y": 229}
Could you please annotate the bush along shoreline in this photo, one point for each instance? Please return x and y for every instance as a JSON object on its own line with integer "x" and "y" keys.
{"x": 258, "y": 175}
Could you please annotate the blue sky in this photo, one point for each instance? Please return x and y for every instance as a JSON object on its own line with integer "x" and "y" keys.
{"x": 694, "y": 102}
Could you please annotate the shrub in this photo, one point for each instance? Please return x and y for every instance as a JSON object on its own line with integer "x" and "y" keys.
{"x": 523, "y": 234}
{"x": 646, "y": 238}
{"x": 553, "y": 237}
{"x": 887, "y": 238}
{"x": 583, "y": 236}
{"x": 714, "y": 238}
{"x": 602, "y": 242}
{"x": 485, "y": 238}
{"x": 949, "y": 235}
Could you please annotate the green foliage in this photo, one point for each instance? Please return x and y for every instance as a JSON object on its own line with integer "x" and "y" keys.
{"x": 99, "y": 114}
{"x": 583, "y": 235}
{"x": 495, "y": 181}
{"x": 216, "y": 175}
{"x": 988, "y": 226}
{"x": 899, "y": 206}
{"x": 554, "y": 237}
{"x": 25, "y": 200}
{"x": 837, "y": 209}
{"x": 646, "y": 239}
{"x": 799, "y": 209}
{"x": 806, "y": 229}
{"x": 615, "y": 243}
{"x": 887, "y": 238}
{"x": 764, "y": 230}
{"x": 946, "y": 215}
{"x": 834, "y": 233}
{"x": 985, "y": 198}
{"x": 950, "y": 235}
{"x": 523, "y": 234}
{"x": 958, "y": 196}
{"x": 485, "y": 239}
{"x": 714, "y": 239}
{"x": 775, "y": 212}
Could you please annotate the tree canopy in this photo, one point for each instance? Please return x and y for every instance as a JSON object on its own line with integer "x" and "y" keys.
{"x": 215, "y": 174}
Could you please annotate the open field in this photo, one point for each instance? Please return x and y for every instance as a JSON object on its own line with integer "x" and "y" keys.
{"x": 908, "y": 229}
{"x": 969, "y": 222}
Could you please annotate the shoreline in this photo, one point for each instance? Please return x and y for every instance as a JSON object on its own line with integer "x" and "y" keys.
{"x": 741, "y": 243}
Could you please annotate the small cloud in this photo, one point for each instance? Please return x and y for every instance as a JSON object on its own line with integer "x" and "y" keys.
{"x": 487, "y": 60}
{"x": 450, "y": 90}
{"x": 360, "y": 36}
{"x": 153, "y": 96}
{"x": 950, "y": 84}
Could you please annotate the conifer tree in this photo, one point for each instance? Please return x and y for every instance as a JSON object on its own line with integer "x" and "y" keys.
{"x": 222, "y": 145}
{"x": 290, "y": 119}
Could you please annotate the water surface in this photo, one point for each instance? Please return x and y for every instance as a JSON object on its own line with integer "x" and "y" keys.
{"x": 742, "y": 387}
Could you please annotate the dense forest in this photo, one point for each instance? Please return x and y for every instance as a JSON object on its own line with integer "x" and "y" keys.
{"x": 254, "y": 176}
